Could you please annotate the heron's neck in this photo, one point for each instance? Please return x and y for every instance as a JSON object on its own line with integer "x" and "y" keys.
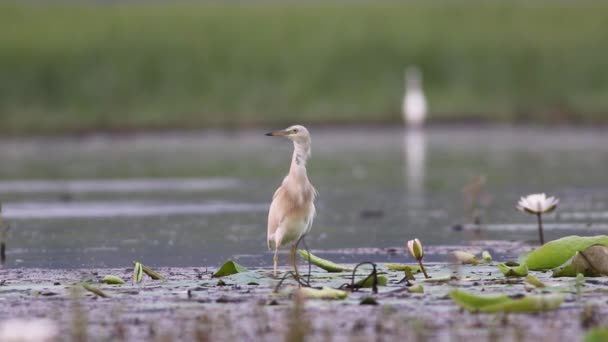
{"x": 301, "y": 153}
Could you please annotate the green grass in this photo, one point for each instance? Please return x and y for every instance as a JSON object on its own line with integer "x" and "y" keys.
{"x": 78, "y": 67}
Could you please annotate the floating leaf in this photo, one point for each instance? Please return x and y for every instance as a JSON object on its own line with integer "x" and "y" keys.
{"x": 112, "y": 279}
{"x": 534, "y": 281}
{"x": 137, "y": 273}
{"x": 323, "y": 293}
{"x": 403, "y": 267}
{"x": 408, "y": 274}
{"x": 464, "y": 258}
{"x": 369, "y": 282}
{"x": 504, "y": 303}
{"x": 557, "y": 252}
{"x": 518, "y": 271}
{"x": 486, "y": 257}
{"x": 95, "y": 290}
{"x": 327, "y": 265}
{"x": 368, "y": 301}
{"x": 229, "y": 268}
{"x": 416, "y": 289}
{"x": 440, "y": 279}
{"x": 597, "y": 335}
{"x": 151, "y": 273}
{"x": 592, "y": 262}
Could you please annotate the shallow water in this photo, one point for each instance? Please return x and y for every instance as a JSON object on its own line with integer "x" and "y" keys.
{"x": 195, "y": 199}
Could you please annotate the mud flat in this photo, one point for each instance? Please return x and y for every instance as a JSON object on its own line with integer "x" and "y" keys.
{"x": 190, "y": 305}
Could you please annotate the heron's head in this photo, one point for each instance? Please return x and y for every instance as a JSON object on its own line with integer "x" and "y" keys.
{"x": 297, "y": 133}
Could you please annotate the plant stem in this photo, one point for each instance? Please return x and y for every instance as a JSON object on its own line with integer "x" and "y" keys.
{"x": 540, "y": 229}
{"x": 422, "y": 269}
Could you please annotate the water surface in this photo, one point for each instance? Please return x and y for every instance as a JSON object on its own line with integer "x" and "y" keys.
{"x": 195, "y": 199}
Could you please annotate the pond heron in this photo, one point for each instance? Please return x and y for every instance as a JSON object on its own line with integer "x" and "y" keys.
{"x": 292, "y": 209}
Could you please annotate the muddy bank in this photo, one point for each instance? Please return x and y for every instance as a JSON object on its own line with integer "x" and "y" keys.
{"x": 190, "y": 305}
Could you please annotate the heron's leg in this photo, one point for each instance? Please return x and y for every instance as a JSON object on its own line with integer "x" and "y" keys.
{"x": 275, "y": 260}
{"x": 294, "y": 261}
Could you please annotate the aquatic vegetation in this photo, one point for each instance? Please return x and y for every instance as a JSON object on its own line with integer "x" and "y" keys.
{"x": 323, "y": 293}
{"x": 229, "y": 268}
{"x": 137, "y": 273}
{"x": 416, "y": 289}
{"x": 517, "y": 271}
{"x": 462, "y": 257}
{"x": 325, "y": 264}
{"x": 369, "y": 282}
{"x": 557, "y": 252}
{"x": 113, "y": 280}
{"x": 538, "y": 204}
{"x": 597, "y": 335}
{"x": 403, "y": 267}
{"x": 414, "y": 247}
{"x": 95, "y": 290}
{"x": 504, "y": 303}
{"x": 592, "y": 262}
{"x": 150, "y": 272}
{"x": 534, "y": 281}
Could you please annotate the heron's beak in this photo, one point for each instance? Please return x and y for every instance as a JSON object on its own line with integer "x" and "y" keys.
{"x": 280, "y": 133}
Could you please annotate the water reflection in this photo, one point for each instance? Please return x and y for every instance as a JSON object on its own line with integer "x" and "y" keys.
{"x": 414, "y": 149}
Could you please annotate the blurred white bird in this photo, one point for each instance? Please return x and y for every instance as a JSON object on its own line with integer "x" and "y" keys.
{"x": 292, "y": 209}
{"x": 414, "y": 106}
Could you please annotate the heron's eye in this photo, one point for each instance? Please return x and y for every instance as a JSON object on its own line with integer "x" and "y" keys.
{"x": 295, "y": 130}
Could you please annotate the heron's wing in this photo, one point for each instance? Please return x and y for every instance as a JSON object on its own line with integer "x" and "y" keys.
{"x": 275, "y": 214}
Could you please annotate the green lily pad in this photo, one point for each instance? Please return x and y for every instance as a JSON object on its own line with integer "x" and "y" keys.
{"x": 402, "y": 267}
{"x": 597, "y": 335}
{"x": 95, "y": 290}
{"x": 504, "y": 303}
{"x": 518, "y": 271}
{"x": 592, "y": 262}
{"x": 137, "y": 273}
{"x": 534, "y": 281}
{"x": 416, "y": 289}
{"x": 150, "y": 272}
{"x": 112, "y": 279}
{"x": 438, "y": 279}
{"x": 323, "y": 293}
{"x": 327, "y": 265}
{"x": 369, "y": 282}
{"x": 229, "y": 268}
{"x": 557, "y": 252}
{"x": 486, "y": 257}
{"x": 464, "y": 258}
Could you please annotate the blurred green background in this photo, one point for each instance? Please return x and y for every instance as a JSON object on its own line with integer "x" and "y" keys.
{"x": 75, "y": 67}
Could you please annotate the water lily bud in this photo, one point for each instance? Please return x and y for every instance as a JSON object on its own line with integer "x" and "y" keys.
{"x": 415, "y": 249}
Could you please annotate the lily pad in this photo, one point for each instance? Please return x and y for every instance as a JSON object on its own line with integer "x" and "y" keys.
{"x": 150, "y": 272}
{"x": 112, "y": 279}
{"x": 229, "y": 268}
{"x": 486, "y": 257}
{"x": 327, "y": 265}
{"x": 462, "y": 257}
{"x": 557, "y": 252}
{"x": 416, "y": 289}
{"x": 369, "y": 282}
{"x": 137, "y": 273}
{"x": 518, "y": 271}
{"x": 504, "y": 303}
{"x": 95, "y": 290}
{"x": 402, "y": 267}
{"x": 323, "y": 293}
{"x": 534, "y": 281}
{"x": 592, "y": 262}
{"x": 597, "y": 335}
